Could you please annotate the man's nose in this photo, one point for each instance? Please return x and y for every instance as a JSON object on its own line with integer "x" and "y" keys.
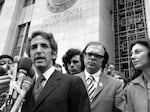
{"x": 39, "y": 49}
{"x": 92, "y": 56}
{"x": 71, "y": 64}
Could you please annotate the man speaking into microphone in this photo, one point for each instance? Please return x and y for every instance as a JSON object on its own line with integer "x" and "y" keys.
{"x": 52, "y": 91}
{"x": 6, "y": 62}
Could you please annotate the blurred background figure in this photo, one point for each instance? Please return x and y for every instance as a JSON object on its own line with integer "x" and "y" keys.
{"x": 73, "y": 62}
{"x": 58, "y": 67}
{"x": 111, "y": 69}
{"x": 6, "y": 62}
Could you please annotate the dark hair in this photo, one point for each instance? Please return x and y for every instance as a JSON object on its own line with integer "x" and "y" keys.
{"x": 106, "y": 56}
{"x": 69, "y": 55}
{"x": 48, "y": 36}
{"x": 6, "y": 56}
{"x": 146, "y": 43}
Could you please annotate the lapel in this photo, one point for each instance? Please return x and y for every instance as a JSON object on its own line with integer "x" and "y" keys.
{"x": 82, "y": 76}
{"x": 51, "y": 84}
{"x": 101, "y": 84}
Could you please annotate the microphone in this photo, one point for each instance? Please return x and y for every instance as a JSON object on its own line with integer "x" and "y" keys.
{"x": 25, "y": 65}
{"x": 14, "y": 75}
{"x": 26, "y": 85}
{"x": 24, "y": 68}
{"x": 9, "y": 100}
{"x": 15, "y": 68}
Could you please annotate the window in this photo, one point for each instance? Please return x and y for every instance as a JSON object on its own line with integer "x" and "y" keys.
{"x": 28, "y": 2}
{"x": 21, "y": 39}
{"x": 129, "y": 25}
{"x": 1, "y": 5}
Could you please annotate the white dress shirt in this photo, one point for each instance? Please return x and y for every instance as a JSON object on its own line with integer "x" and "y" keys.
{"x": 47, "y": 74}
{"x": 96, "y": 76}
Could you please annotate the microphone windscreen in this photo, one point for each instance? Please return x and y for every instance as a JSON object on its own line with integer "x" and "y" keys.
{"x": 25, "y": 64}
{"x": 31, "y": 73}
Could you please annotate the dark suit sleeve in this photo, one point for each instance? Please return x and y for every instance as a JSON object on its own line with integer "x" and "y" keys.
{"x": 78, "y": 97}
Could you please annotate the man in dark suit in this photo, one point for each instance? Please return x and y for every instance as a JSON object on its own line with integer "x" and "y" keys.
{"x": 56, "y": 92}
{"x": 105, "y": 92}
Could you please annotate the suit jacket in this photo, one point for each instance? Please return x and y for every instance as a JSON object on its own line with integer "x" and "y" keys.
{"x": 108, "y": 96}
{"x": 62, "y": 93}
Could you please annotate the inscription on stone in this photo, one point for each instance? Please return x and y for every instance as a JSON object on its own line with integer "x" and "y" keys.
{"x": 62, "y": 18}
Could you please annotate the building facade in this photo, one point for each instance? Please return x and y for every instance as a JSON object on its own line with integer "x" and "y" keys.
{"x": 130, "y": 23}
{"x": 74, "y": 23}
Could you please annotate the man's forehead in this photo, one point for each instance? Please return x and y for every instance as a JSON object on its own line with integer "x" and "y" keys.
{"x": 76, "y": 57}
{"x": 39, "y": 39}
{"x": 95, "y": 48}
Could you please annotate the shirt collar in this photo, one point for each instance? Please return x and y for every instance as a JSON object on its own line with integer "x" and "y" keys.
{"x": 95, "y": 75}
{"x": 49, "y": 72}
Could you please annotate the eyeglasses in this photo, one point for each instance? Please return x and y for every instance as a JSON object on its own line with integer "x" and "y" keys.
{"x": 3, "y": 63}
{"x": 94, "y": 54}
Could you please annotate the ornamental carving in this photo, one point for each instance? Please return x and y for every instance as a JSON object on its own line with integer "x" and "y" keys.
{"x": 56, "y": 6}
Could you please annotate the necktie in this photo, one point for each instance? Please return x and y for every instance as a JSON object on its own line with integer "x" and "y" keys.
{"x": 91, "y": 87}
{"x": 38, "y": 86}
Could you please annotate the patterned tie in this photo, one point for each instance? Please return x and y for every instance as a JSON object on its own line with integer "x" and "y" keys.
{"x": 91, "y": 87}
{"x": 38, "y": 86}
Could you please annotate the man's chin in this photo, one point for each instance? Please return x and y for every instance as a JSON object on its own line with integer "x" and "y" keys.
{"x": 41, "y": 68}
{"x": 91, "y": 66}
{"x": 40, "y": 65}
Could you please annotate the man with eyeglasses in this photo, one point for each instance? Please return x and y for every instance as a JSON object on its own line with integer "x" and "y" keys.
{"x": 6, "y": 62}
{"x": 72, "y": 61}
{"x": 105, "y": 92}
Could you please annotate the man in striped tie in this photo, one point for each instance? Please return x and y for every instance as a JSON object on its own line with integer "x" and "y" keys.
{"x": 105, "y": 92}
{"x": 91, "y": 87}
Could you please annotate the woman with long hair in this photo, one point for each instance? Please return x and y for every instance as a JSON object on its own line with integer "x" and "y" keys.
{"x": 138, "y": 90}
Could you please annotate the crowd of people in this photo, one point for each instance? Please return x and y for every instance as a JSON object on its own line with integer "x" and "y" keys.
{"x": 90, "y": 83}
